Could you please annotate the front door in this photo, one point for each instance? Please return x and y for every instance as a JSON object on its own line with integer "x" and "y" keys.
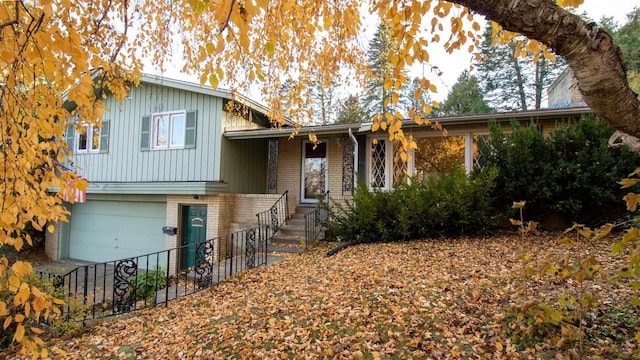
{"x": 314, "y": 171}
{"x": 195, "y": 225}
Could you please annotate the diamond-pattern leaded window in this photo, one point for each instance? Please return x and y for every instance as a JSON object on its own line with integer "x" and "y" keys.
{"x": 378, "y": 164}
{"x": 478, "y": 161}
{"x": 400, "y": 169}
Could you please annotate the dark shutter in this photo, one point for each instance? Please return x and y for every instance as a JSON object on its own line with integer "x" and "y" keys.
{"x": 145, "y": 133}
{"x": 190, "y": 130}
{"x": 69, "y": 136}
{"x": 104, "y": 137}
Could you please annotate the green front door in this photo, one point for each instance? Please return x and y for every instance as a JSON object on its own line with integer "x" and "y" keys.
{"x": 195, "y": 225}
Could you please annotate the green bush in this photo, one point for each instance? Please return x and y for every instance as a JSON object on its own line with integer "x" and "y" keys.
{"x": 451, "y": 204}
{"x": 521, "y": 159}
{"x": 147, "y": 283}
{"x": 572, "y": 173}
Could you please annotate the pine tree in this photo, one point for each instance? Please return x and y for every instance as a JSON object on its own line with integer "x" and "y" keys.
{"x": 628, "y": 39}
{"x": 350, "y": 111}
{"x": 376, "y": 99}
{"x": 512, "y": 83}
{"x": 417, "y": 104}
{"x": 323, "y": 96}
{"x": 465, "y": 97}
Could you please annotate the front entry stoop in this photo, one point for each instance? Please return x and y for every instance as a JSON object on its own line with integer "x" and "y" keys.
{"x": 290, "y": 237}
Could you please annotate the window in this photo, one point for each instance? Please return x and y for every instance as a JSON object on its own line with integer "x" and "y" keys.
{"x": 381, "y": 166}
{"x": 89, "y": 138}
{"x": 168, "y": 130}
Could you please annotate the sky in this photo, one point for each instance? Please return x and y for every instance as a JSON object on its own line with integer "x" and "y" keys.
{"x": 452, "y": 65}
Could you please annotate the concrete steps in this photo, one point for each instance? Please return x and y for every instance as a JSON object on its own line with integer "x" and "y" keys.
{"x": 290, "y": 237}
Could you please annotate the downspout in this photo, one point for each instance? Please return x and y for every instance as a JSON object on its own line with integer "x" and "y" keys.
{"x": 355, "y": 159}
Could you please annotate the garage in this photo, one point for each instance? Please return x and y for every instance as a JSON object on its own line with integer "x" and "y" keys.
{"x": 105, "y": 230}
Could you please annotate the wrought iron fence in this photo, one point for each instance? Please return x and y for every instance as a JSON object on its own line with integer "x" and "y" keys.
{"x": 277, "y": 215}
{"x": 316, "y": 220}
{"x": 125, "y": 285}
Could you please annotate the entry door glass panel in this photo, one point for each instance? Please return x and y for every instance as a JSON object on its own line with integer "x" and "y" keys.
{"x": 314, "y": 171}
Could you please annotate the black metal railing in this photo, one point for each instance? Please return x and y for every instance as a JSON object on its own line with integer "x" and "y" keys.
{"x": 316, "y": 220}
{"x": 125, "y": 285}
{"x": 277, "y": 215}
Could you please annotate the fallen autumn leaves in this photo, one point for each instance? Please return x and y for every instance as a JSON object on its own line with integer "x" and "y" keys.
{"x": 417, "y": 299}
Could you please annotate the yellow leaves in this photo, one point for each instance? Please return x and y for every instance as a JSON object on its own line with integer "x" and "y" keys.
{"x": 14, "y": 283}
{"x": 570, "y": 3}
{"x": 388, "y": 83}
{"x": 3, "y": 309}
{"x": 22, "y": 296}
{"x": 22, "y": 268}
{"x": 632, "y": 200}
{"x": 19, "y": 333}
{"x": 627, "y": 183}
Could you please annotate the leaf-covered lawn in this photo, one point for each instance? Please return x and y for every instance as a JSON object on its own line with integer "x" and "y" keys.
{"x": 418, "y": 299}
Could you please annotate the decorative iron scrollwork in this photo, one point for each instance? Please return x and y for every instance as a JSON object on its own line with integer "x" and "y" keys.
{"x": 124, "y": 293}
{"x": 272, "y": 164}
{"x": 275, "y": 224}
{"x": 347, "y": 164}
{"x": 250, "y": 251}
{"x": 204, "y": 264}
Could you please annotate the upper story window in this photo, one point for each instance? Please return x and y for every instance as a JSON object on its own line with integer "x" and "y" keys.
{"x": 168, "y": 130}
{"x": 88, "y": 139}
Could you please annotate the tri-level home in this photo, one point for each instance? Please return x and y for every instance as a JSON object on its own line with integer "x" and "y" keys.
{"x": 175, "y": 164}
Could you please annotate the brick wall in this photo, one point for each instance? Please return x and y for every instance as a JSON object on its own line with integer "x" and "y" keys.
{"x": 226, "y": 213}
{"x": 52, "y": 242}
{"x": 334, "y": 157}
{"x": 289, "y": 165}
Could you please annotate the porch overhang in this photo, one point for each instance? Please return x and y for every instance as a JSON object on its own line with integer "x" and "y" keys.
{"x": 286, "y": 132}
{"x": 446, "y": 122}
{"x": 502, "y": 117}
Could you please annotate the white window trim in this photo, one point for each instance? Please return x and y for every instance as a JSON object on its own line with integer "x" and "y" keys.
{"x": 388, "y": 163}
{"x": 154, "y": 130}
{"x": 302, "y": 175}
{"x": 88, "y": 132}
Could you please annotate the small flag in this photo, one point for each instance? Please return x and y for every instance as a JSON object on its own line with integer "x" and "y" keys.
{"x": 79, "y": 192}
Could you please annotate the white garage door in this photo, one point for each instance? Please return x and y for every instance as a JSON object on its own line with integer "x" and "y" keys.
{"x": 109, "y": 230}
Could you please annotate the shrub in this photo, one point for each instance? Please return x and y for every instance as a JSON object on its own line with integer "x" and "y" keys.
{"x": 571, "y": 173}
{"x": 147, "y": 283}
{"x": 451, "y": 204}
{"x": 18, "y": 320}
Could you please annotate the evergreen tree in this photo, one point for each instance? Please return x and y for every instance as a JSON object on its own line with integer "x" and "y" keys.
{"x": 512, "y": 83}
{"x": 350, "y": 111}
{"x": 419, "y": 103}
{"x": 323, "y": 97}
{"x": 377, "y": 100}
{"x": 628, "y": 39}
{"x": 465, "y": 97}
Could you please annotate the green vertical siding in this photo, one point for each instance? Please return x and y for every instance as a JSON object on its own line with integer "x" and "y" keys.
{"x": 126, "y": 162}
{"x": 245, "y": 165}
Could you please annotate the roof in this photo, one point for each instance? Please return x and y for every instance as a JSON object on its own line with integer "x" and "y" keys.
{"x": 476, "y": 119}
{"x": 206, "y": 90}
